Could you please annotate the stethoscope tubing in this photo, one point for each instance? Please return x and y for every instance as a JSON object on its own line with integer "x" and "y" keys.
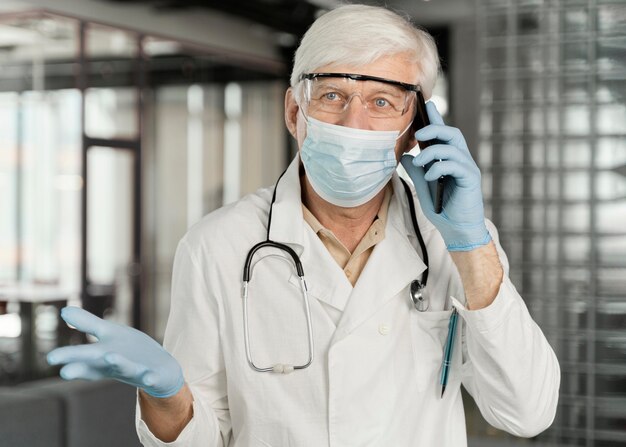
{"x": 415, "y": 289}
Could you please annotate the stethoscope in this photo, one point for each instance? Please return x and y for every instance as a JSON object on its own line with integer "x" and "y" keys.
{"x": 416, "y": 288}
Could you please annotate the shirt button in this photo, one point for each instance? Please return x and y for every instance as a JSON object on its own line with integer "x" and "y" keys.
{"x": 383, "y": 329}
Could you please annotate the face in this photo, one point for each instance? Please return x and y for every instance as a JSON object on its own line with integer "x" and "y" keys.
{"x": 356, "y": 114}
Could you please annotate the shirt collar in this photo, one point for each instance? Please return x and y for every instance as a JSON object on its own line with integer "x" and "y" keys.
{"x": 381, "y": 215}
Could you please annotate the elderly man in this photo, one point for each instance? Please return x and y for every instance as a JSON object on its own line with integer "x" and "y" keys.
{"x": 343, "y": 330}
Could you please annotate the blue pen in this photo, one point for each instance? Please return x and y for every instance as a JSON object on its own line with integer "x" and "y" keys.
{"x": 447, "y": 354}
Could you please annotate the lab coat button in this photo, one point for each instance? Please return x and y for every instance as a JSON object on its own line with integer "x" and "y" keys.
{"x": 383, "y": 329}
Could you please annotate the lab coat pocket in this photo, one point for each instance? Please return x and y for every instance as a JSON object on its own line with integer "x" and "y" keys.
{"x": 429, "y": 331}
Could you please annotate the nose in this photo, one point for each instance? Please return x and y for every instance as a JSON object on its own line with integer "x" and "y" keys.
{"x": 355, "y": 115}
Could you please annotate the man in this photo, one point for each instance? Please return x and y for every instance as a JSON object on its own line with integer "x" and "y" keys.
{"x": 355, "y": 356}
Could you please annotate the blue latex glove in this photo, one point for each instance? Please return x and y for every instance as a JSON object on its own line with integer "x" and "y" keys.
{"x": 462, "y": 221}
{"x": 121, "y": 353}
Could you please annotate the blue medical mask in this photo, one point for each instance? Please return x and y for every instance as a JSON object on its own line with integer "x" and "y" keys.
{"x": 345, "y": 166}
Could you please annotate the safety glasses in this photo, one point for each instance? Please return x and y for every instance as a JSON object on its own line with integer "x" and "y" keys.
{"x": 332, "y": 93}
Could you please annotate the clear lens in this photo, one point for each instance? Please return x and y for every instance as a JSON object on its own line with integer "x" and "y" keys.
{"x": 332, "y": 96}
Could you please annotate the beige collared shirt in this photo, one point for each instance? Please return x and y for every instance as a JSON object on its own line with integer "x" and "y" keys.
{"x": 352, "y": 263}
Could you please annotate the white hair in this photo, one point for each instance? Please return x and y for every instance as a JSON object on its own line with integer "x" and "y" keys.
{"x": 359, "y": 35}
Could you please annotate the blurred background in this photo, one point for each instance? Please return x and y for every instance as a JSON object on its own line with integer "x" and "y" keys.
{"x": 123, "y": 122}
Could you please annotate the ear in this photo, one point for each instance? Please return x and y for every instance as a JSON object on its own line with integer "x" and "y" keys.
{"x": 291, "y": 112}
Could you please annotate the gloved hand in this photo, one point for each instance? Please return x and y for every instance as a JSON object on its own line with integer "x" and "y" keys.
{"x": 462, "y": 220}
{"x": 121, "y": 353}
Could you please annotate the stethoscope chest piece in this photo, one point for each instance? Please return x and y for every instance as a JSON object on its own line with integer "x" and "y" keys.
{"x": 417, "y": 297}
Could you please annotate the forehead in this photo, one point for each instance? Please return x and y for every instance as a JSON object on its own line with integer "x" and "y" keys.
{"x": 396, "y": 67}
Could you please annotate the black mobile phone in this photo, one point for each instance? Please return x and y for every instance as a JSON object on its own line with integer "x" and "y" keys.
{"x": 421, "y": 120}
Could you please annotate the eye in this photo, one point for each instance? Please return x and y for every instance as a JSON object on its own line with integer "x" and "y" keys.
{"x": 331, "y": 96}
{"x": 381, "y": 102}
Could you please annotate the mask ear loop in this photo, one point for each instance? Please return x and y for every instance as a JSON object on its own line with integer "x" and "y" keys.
{"x": 306, "y": 118}
{"x": 404, "y": 131}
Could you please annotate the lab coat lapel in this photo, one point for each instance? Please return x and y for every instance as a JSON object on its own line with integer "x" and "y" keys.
{"x": 325, "y": 280}
{"x": 393, "y": 264}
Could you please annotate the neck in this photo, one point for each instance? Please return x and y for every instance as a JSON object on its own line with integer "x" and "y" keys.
{"x": 349, "y": 225}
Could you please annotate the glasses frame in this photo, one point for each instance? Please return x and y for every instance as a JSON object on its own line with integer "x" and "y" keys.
{"x": 416, "y": 88}
{"x": 360, "y": 77}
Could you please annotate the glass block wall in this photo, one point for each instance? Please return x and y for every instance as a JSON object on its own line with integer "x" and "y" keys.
{"x": 553, "y": 156}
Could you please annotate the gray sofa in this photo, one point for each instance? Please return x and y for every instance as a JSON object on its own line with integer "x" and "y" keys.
{"x": 58, "y": 413}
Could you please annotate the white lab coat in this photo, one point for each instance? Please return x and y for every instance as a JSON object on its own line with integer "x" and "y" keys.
{"x": 374, "y": 380}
